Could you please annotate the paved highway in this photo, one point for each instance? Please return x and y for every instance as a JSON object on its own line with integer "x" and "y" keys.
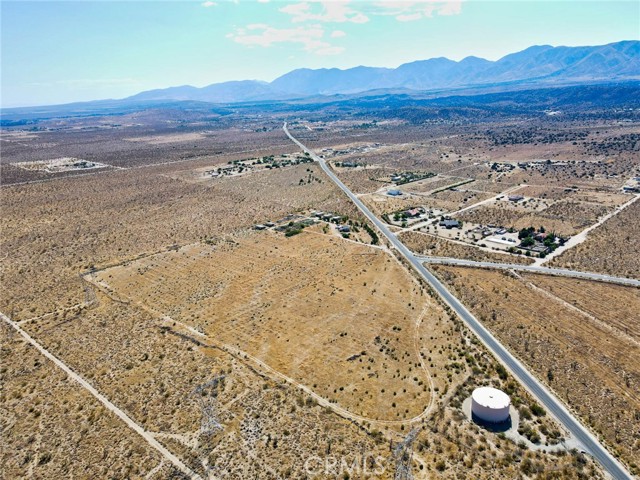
{"x": 539, "y": 391}
{"x": 530, "y": 268}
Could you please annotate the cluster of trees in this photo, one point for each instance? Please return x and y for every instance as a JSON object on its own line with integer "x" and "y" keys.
{"x": 527, "y": 238}
{"x": 294, "y": 228}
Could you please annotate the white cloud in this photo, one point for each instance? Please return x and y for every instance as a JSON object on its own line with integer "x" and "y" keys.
{"x": 329, "y": 50}
{"x": 338, "y": 34}
{"x": 451, "y": 8}
{"x": 406, "y": 11}
{"x": 329, "y": 11}
{"x": 209, "y": 3}
{"x": 409, "y": 17}
{"x": 310, "y": 37}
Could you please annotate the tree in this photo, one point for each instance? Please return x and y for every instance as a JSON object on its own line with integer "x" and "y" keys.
{"x": 550, "y": 240}
{"x": 525, "y": 232}
{"x": 527, "y": 242}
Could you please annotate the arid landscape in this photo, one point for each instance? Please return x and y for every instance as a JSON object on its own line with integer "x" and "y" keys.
{"x": 237, "y": 314}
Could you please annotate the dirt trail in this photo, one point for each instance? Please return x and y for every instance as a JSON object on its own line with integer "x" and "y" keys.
{"x": 102, "y": 399}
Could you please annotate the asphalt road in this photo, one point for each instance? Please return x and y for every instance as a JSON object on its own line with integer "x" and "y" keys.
{"x": 539, "y": 391}
{"x": 531, "y": 268}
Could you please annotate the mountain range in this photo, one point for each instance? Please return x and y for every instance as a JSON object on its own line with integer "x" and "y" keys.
{"x": 537, "y": 65}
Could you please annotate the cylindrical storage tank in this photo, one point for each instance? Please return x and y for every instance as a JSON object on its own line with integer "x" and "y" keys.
{"x": 490, "y": 404}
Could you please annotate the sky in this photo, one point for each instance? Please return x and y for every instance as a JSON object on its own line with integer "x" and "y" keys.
{"x": 56, "y": 52}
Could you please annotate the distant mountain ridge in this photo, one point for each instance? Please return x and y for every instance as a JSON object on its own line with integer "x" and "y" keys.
{"x": 537, "y": 65}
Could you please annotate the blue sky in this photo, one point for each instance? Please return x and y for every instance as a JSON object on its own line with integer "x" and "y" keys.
{"x": 58, "y": 52}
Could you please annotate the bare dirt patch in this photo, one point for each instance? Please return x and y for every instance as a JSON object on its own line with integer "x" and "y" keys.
{"x": 171, "y": 138}
{"x": 60, "y": 165}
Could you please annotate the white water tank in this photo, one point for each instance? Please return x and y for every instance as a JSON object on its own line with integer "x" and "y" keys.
{"x": 490, "y": 404}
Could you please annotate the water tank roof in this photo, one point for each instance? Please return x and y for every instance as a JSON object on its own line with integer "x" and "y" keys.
{"x": 491, "y": 397}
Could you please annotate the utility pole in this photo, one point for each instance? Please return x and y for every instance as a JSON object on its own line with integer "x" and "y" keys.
{"x": 403, "y": 453}
{"x": 205, "y": 396}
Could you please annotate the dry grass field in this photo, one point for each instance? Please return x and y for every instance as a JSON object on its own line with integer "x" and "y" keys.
{"x": 383, "y": 204}
{"x": 425, "y": 244}
{"x": 568, "y": 193}
{"x": 611, "y": 248}
{"x": 433, "y": 184}
{"x": 614, "y": 305}
{"x": 320, "y": 310}
{"x": 453, "y": 200}
{"x": 580, "y": 337}
{"x": 494, "y": 186}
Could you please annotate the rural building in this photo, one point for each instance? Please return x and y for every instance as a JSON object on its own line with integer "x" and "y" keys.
{"x": 394, "y": 193}
{"x": 414, "y": 212}
{"x": 449, "y": 224}
{"x": 344, "y": 229}
{"x": 259, "y": 227}
{"x": 515, "y": 198}
{"x": 490, "y": 405}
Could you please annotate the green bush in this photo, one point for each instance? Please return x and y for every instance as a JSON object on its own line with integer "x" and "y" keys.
{"x": 537, "y": 410}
